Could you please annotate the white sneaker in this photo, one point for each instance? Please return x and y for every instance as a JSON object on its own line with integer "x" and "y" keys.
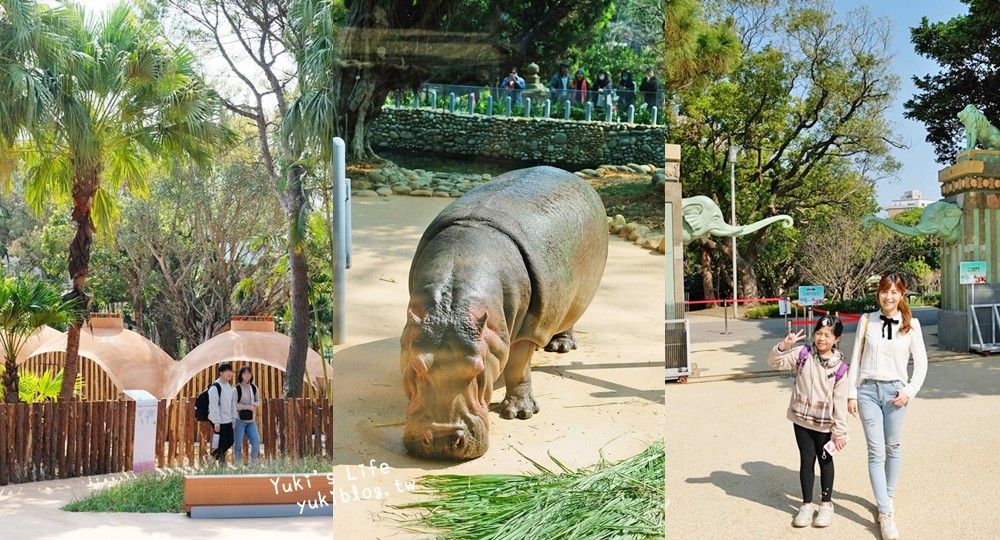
{"x": 805, "y": 515}
{"x": 825, "y": 516}
{"x": 888, "y": 526}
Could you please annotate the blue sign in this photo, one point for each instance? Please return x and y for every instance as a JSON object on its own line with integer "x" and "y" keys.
{"x": 971, "y": 272}
{"x": 812, "y": 295}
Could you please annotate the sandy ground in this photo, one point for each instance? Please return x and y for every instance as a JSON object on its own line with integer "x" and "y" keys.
{"x": 604, "y": 397}
{"x": 732, "y": 463}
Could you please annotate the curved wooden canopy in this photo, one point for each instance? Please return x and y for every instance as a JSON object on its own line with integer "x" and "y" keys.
{"x": 246, "y": 341}
{"x": 132, "y": 361}
{"x": 40, "y": 336}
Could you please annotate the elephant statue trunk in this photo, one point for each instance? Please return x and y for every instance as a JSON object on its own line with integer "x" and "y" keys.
{"x": 702, "y": 217}
{"x": 941, "y": 219}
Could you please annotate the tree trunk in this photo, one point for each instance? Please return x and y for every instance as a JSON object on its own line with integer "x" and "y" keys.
{"x": 707, "y": 277}
{"x": 748, "y": 279}
{"x": 299, "y": 331}
{"x": 10, "y": 380}
{"x": 85, "y": 185}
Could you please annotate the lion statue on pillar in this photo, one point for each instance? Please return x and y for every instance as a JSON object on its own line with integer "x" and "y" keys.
{"x": 978, "y": 129}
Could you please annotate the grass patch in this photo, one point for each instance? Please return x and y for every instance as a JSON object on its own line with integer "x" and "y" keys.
{"x": 631, "y": 197}
{"x": 163, "y": 492}
{"x": 149, "y": 493}
{"x": 621, "y": 501}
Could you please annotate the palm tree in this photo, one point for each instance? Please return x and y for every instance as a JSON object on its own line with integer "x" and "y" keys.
{"x": 124, "y": 99}
{"x": 25, "y": 306}
{"x": 25, "y": 44}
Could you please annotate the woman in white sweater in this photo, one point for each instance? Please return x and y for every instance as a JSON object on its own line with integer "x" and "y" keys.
{"x": 881, "y": 389}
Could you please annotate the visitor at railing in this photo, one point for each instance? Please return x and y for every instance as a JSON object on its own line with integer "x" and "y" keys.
{"x": 512, "y": 85}
{"x": 626, "y": 90}
{"x": 560, "y": 84}
{"x": 602, "y": 88}
{"x": 650, "y": 88}
{"x": 579, "y": 87}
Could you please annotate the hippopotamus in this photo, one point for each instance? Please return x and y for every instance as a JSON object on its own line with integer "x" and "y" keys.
{"x": 507, "y": 268}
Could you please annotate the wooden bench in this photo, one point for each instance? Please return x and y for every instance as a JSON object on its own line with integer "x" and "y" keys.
{"x": 257, "y": 495}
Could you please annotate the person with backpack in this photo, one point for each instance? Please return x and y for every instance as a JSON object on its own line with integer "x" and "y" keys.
{"x": 247, "y": 403}
{"x": 880, "y": 389}
{"x": 818, "y": 411}
{"x": 222, "y": 411}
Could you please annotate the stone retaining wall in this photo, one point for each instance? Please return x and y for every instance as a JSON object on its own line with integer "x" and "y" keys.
{"x": 563, "y": 143}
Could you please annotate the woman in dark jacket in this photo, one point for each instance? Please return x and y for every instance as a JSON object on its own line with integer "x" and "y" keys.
{"x": 626, "y": 90}
{"x": 602, "y": 88}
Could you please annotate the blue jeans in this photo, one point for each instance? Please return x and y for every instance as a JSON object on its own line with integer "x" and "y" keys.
{"x": 883, "y": 425}
{"x": 250, "y": 429}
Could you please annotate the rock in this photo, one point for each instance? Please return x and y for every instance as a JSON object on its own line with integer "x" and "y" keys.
{"x": 384, "y": 191}
{"x": 589, "y": 172}
{"x": 617, "y": 224}
{"x": 635, "y": 167}
{"x": 638, "y": 232}
{"x": 652, "y": 241}
{"x": 580, "y": 174}
{"x": 660, "y": 186}
{"x": 611, "y": 222}
{"x": 402, "y": 190}
{"x": 455, "y": 194}
{"x": 442, "y": 194}
{"x": 663, "y": 246}
{"x": 659, "y": 176}
{"x": 422, "y": 193}
{"x": 559, "y": 138}
{"x": 365, "y": 193}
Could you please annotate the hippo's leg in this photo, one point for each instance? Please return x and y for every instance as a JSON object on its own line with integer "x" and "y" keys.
{"x": 562, "y": 342}
{"x": 518, "y": 403}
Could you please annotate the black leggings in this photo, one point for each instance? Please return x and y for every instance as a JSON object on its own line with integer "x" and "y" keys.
{"x": 810, "y": 449}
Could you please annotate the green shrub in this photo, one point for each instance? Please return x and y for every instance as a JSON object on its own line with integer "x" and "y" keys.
{"x": 855, "y": 306}
{"x": 762, "y": 312}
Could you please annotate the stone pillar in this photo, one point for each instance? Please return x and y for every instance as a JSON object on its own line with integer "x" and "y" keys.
{"x": 533, "y": 86}
{"x": 973, "y": 183}
{"x": 672, "y": 234}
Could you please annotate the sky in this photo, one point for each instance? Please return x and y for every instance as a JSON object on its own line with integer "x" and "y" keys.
{"x": 919, "y": 168}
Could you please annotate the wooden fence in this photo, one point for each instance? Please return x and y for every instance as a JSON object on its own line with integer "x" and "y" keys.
{"x": 289, "y": 428}
{"x": 46, "y": 441}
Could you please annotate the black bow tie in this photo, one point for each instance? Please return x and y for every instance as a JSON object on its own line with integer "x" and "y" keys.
{"x": 887, "y": 324}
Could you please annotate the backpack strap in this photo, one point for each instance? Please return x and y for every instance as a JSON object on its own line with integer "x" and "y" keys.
{"x": 239, "y": 393}
{"x": 254, "y": 388}
{"x": 841, "y": 370}
{"x": 219, "y": 387}
{"x": 803, "y": 355}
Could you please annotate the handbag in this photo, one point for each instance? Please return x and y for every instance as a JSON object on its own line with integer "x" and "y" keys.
{"x": 246, "y": 415}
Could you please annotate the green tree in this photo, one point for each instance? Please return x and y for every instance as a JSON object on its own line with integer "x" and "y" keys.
{"x": 698, "y": 51}
{"x": 968, "y": 53}
{"x": 26, "y": 44}
{"x": 124, "y": 98}
{"x": 808, "y": 109}
{"x": 25, "y": 305}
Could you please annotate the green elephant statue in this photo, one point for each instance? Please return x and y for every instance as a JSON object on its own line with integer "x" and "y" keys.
{"x": 941, "y": 219}
{"x": 702, "y": 217}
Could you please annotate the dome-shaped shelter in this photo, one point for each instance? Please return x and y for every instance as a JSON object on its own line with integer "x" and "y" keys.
{"x": 39, "y": 337}
{"x": 250, "y": 341}
{"x": 112, "y": 359}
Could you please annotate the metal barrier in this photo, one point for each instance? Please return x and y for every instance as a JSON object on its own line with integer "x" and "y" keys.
{"x": 984, "y": 317}
{"x": 677, "y": 333}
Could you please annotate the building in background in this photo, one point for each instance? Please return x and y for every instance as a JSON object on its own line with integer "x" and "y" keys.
{"x": 911, "y": 199}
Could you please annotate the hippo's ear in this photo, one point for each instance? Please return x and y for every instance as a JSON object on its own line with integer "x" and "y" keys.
{"x": 413, "y": 317}
{"x": 481, "y": 322}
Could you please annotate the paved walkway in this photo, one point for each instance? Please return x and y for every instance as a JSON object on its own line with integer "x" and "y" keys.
{"x": 732, "y": 463}
{"x": 32, "y": 511}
